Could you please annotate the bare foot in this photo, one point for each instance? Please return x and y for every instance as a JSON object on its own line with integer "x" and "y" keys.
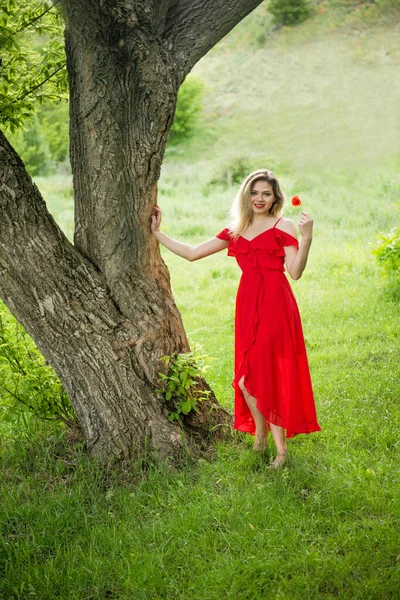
{"x": 260, "y": 443}
{"x": 280, "y": 460}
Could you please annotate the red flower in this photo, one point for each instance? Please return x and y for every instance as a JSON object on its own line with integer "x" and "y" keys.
{"x": 296, "y": 201}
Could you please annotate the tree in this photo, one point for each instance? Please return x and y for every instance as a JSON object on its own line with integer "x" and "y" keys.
{"x": 101, "y": 310}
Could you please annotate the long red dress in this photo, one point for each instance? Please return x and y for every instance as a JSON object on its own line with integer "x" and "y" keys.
{"x": 269, "y": 344}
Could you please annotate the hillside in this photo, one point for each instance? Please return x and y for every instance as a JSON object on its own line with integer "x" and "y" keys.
{"x": 323, "y": 93}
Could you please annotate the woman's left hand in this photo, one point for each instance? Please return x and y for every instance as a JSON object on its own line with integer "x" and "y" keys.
{"x": 306, "y": 225}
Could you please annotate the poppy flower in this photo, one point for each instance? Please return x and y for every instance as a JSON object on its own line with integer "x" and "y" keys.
{"x": 296, "y": 201}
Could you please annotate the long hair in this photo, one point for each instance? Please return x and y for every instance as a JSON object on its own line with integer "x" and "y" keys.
{"x": 241, "y": 211}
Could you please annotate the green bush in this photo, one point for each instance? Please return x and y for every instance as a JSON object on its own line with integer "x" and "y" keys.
{"x": 188, "y": 109}
{"x": 289, "y": 12}
{"x": 387, "y": 252}
{"x": 45, "y": 143}
{"x": 33, "y": 148}
{"x": 54, "y": 125}
{"x": 28, "y": 385}
{"x": 234, "y": 170}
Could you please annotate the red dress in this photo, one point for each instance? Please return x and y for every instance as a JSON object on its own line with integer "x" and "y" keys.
{"x": 269, "y": 344}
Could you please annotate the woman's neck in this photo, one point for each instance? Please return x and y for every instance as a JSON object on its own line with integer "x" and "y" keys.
{"x": 258, "y": 220}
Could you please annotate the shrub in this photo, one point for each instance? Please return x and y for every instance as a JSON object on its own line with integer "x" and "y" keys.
{"x": 45, "y": 143}
{"x": 188, "y": 109}
{"x": 54, "y": 125}
{"x": 289, "y": 12}
{"x": 32, "y": 147}
{"x": 234, "y": 171}
{"x": 237, "y": 170}
{"x": 27, "y": 383}
{"x": 387, "y": 252}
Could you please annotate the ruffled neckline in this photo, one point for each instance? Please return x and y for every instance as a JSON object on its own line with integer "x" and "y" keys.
{"x": 266, "y": 230}
{"x": 271, "y": 243}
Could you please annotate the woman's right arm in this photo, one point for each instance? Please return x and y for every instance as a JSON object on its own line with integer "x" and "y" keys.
{"x": 191, "y": 253}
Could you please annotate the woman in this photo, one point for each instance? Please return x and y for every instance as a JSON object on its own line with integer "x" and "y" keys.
{"x": 273, "y": 390}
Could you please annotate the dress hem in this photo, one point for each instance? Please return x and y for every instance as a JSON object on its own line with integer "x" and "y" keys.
{"x": 248, "y": 425}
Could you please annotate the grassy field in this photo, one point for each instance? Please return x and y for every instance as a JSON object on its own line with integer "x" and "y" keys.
{"x": 325, "y": 527}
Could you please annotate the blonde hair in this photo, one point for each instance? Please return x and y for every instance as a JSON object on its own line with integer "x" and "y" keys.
{"x": 241, "y": 211}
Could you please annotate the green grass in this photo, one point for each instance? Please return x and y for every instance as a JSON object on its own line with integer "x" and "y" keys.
{"x": 325, "y": 527}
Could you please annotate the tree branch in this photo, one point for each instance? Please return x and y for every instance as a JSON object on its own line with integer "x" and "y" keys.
{"x": 194, "y": 26}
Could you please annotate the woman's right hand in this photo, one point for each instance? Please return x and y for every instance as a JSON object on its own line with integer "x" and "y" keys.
{"x": 156, "y": 219}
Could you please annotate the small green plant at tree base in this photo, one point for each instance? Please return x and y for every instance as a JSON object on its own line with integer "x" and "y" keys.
{"x": 289, "y": 12}
{"x": 180, "y": 382}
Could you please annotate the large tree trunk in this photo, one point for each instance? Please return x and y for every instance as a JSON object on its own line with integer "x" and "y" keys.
{"x": 123, "y": 94}
{"x": 101, "y": 311}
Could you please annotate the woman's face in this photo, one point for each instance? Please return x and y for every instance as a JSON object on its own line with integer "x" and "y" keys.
{"x": 261, "y": 197}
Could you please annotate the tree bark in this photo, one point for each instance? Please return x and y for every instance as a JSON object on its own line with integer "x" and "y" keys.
{"x": 63, "y": 302}
{"x": 101, "y": 311}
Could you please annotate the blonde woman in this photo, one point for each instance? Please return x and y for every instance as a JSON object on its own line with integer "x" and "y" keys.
{"x": 273, "y": 390}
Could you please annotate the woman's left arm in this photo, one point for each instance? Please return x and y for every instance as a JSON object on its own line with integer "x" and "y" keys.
{"x": 296, "y": 260}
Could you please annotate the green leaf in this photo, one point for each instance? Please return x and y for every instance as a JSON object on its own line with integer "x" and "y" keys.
{"x": 186, "y": 407}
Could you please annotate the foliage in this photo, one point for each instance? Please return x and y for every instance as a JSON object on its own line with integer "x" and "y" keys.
{"x": 289, "y": 12}
{"x": 54, "y": 126}
{"x": 45, "y": 142}
{"x": 28, "y": 385}
{"x": 388, "y": 5}
{"x": 188, "y": 109}
{"x": 33, "y": 148}
{"x": 233, "y": 171}
{"x": 180, "y": 382}
{"x": 33, "y": 59}
{"x": 387, "y": 252}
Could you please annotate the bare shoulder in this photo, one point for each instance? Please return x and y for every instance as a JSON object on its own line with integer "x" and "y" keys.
{"x": 287, "y": 226}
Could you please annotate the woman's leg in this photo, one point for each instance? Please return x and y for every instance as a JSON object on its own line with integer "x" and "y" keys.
{"x": 261, "y": 436}
{"x": 278, "y": 433}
